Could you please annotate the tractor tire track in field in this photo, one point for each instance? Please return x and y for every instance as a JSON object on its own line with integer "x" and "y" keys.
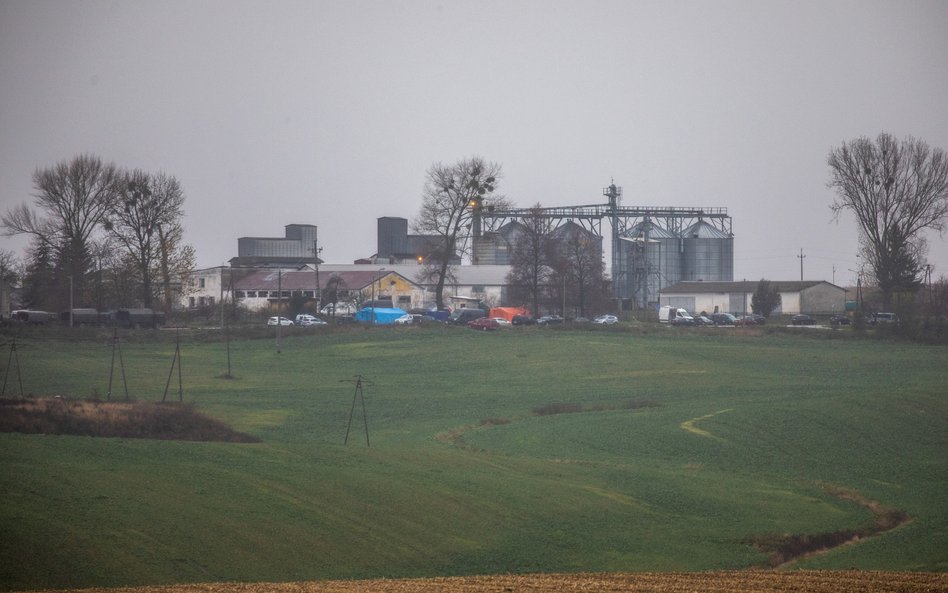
{"x": 751, "y": 581}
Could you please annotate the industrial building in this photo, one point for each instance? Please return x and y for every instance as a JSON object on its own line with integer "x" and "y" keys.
{"x": 395, "y": 246}
{"x": 651, "y": 247}
{"x": 297, "y": 247}
{"x": 814, "y": 297}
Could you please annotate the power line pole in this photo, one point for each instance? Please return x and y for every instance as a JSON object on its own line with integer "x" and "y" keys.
{"x": 802, "y": 257}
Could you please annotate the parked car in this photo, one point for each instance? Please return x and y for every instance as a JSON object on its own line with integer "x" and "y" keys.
{"x": 668, "y": 314}
{"x": 722, "y": 318}
{"x": 703, "y": 320}
{"x": 550, "y": 320}
{"x": 522, "y": 320}
{"x": 501, "y": 321}
{"x": 313, "y": 322}
{"x": 405, "y": 319}
{"x": 279, "y": 321}
{"x": 484, "y": 323}
{"x": 466, "y": 315}
{"x": 606, "y": 319}
{"x": 840, "y": 320}
{"x": 802, "y": 320}
{"x": 754, "y": 318}
{"x": 880, "y": 318}
{"x": 304, "y": 319}
{"x": 746, "y": 320}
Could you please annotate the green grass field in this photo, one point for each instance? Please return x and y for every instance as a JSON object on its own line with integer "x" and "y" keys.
{"x": 673, "y": 450}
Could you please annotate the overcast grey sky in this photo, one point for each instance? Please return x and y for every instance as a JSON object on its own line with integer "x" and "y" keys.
{"x": 329, "y": 113}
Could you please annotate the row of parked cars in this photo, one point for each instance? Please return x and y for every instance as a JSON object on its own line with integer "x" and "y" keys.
{"x": 491, "y": 323}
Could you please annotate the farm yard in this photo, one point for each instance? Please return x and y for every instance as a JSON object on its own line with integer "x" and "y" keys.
{"x": 401, "y": 453}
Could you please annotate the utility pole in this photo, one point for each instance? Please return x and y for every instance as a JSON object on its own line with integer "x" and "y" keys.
{"x": 318, "y": 294}
{"x": 802, "y": 257}
{"x": 70, "y": 301}
{"x": 279, "y": 306}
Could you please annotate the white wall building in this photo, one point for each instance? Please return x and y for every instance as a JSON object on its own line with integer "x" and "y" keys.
{"x": 812, "y": 297}
{"x": 259, "y": 289}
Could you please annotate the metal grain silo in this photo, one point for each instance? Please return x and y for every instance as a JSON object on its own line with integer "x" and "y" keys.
{"x": 708, "y": 254}
{"x": 651, "y": 256}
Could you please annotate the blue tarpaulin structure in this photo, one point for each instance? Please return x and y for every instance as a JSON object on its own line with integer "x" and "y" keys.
{"x": 381, "y": 316}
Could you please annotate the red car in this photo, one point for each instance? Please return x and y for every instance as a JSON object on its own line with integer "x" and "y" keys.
{"x": 483, "y": 323}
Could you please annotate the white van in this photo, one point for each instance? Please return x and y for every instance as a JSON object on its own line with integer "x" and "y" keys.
{"x": 674, "y": 315}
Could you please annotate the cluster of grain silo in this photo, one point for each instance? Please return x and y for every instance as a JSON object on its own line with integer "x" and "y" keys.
{"x": 652, "y": 256}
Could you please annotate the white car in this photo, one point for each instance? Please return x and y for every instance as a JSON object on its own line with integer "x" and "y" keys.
{"x": 309, "y": 320}
{"x": 606, "y": 319}
{"x": 279, "y": 321}
{"x": 502, "y": 322}
{"x": 405, "y": 319}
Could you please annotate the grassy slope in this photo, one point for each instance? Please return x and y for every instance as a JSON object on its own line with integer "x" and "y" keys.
{"x": 616, "y": 489}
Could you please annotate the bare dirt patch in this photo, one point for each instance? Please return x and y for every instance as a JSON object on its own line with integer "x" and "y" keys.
{"x": 95, "y": 418}
{"x": 706, "y": 582}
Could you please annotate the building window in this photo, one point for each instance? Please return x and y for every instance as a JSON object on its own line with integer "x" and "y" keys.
{"x": 201, "y": 301}
{"x": 191, "y": 302}
{"x": 210, "y": 301}
{"x": 404, "y": 300}
{"x": 239, "y": 294}
{"x": 201, "y": 283}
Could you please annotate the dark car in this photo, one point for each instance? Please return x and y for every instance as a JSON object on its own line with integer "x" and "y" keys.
{"x": 484, "y": 323}
{"x": 839, "y": 320}
{"x": 550, "y": 320}
{"x": 746, "y": 320}
{"x": 464, "y": 316}
{"x": 722, "y": 318}
{"x": 755, "y": 319}
{"x": 522, "y": 320}
{"x": 802, "y": 320}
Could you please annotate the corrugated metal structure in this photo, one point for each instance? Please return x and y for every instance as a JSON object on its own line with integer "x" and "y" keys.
{"x": 394, "y": 245}
{"x": 652, "y": 247}
{"x": 708, "y": 254}
{"x": 651, "y": 256}
{"x": 296, "y": 247}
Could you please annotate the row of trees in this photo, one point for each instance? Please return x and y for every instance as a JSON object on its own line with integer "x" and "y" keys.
{"x": 101, "y": 236}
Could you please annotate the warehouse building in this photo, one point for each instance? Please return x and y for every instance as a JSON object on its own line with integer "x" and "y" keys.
{"x": 812, "y": 297}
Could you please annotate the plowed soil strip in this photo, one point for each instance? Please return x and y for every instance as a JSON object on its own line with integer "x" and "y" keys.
{"x": 709, "y": 582}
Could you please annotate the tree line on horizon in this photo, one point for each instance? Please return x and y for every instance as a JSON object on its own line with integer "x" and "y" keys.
{"x": 110, "y": 237}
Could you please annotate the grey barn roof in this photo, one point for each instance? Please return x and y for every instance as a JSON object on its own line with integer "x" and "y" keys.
{"x": 692, "y": 287}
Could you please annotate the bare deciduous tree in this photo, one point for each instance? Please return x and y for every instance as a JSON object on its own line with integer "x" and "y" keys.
{"x": 72, "y": 200}
{"x": 146, "y": 221}
{"x": 452, "y": 198}
{"x": 580, "y": 262}
{"x": 896, "y": 189}
{"x": 531, "y": 260}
